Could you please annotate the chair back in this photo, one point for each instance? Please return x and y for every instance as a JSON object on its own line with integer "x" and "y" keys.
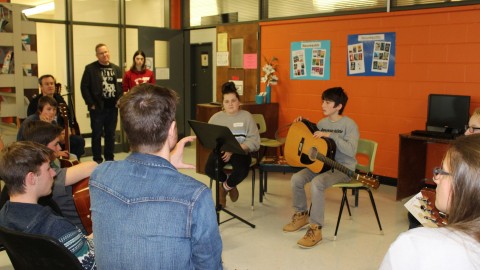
{"x": 30, "y": 251}
{"x": 368, "y": 149}
{"x": 261, "y": 124}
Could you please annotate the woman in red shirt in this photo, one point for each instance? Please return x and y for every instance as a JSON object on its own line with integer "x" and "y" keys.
{"x": 138, "y": 72}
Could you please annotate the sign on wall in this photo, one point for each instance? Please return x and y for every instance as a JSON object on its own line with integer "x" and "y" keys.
{"x": 371, "y": 54}
{"x": 310, "y": 60}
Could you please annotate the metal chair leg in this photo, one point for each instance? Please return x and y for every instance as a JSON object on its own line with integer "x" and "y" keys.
{"x": 344, "y": 199}
{"x": 374, "y": 207}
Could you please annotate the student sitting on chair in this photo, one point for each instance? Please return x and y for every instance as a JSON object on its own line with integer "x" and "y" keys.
{"x": 47, "y": 112}
{"x": 49, "y": 135}
{"x": 457, "y": 245}
{"x": 344, "y": 132}
{"x": 245, "y": 130}
{"x": 25, "y": 168}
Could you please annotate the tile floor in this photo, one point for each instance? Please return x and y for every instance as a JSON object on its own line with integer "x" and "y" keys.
{"x": 359, "y": 244}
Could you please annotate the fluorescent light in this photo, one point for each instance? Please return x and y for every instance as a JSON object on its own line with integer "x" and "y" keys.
{"x": 39, "y": 9}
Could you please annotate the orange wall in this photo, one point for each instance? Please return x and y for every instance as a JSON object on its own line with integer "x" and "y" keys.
{"x": 437, "y": 51}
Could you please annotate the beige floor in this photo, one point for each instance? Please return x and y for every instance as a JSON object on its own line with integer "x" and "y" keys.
{"x": 359, "y": 244}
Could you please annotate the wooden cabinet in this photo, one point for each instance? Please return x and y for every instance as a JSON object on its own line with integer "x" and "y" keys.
{"x": 205, "y": 111}
{"x": 412, "y": 163}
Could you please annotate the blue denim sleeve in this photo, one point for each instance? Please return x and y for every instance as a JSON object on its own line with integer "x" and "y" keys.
{"x": 206, "y": 240}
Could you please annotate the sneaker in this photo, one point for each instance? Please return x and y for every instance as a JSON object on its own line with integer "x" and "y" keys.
{"x": 312, "y": 237}
{"x": 233, "y": 193}
{"x": 222, "y": 196}
{"x": 299, "y": 220}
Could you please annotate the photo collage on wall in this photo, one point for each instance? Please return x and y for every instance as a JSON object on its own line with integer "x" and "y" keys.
{"x": 310, "y": 60}
{"x": 381, "y": 51}
{"x": 356, "y": 61}
{"x": 371, "y": 54}
{"x": 318, "y": 62}
{"x": 298, "y": 63}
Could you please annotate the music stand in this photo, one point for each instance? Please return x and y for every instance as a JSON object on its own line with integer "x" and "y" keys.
{"x": 218, "y": 138}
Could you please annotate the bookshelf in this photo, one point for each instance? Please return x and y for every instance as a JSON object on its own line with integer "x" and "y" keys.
{"x": 18, "y": 63}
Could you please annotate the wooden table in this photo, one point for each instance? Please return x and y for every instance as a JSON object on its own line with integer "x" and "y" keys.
{"x": 412, "y": 161}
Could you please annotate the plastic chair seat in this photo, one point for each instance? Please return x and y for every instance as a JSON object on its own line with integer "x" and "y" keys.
{"x": 367, "y": 148}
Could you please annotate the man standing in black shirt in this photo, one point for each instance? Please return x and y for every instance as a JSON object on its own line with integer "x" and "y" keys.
{"x": 101, "y": 89}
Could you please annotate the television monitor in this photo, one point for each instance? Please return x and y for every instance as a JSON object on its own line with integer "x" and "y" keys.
{"x": 448, "y": 113}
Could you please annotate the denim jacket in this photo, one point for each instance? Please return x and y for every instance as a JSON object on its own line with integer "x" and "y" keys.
{"x": 147, "y": 215}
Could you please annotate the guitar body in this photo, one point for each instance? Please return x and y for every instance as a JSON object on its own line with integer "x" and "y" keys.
{"x": 298, "y": 143}
{"x": 317, "y": 154}
{"x": 81, "y": 197}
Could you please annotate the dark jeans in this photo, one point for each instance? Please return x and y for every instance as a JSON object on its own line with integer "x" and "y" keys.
{"x": 77, "y": 145}
{"x": 103, "y": 121}
{"x": 240, "y": 165}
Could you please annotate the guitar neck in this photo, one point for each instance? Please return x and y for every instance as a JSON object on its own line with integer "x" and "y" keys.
{"x": 337, "y": 166}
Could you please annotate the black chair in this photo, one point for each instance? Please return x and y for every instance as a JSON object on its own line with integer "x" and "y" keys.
{"x": 29, "y": 251}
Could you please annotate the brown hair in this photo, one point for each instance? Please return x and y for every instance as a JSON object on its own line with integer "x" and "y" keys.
{"x": 146, "y": 112}
{"x": 464, "y": 163}
{"x": 20, "y": 158}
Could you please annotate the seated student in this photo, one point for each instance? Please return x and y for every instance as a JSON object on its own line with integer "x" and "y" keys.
{"x": 47, "y": 111}
{"x": 473, "y": 127}
{"x": 245, "y": 130}
{"x": 145, "y": 213}
{"x": 457, "y": 245}
{"x": 49, "y": 135}
{"x": 25, "y": 168}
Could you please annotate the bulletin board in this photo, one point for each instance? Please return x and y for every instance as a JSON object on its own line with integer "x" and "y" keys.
{"x": 310, "y": 60}
{"x": 371, "y": 54}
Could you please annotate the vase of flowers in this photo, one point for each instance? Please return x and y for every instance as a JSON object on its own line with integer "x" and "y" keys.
{"x": 269, "y": 77}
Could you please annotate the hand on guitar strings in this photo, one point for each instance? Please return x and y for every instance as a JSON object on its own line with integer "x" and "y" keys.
{"x": 62, "y": 153}
{"x": 226, "y": 156}
{"x": 320, "y": 134}
{"x": 176, "y": 155}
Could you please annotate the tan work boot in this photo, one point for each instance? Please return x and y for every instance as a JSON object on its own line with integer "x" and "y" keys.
{"x": 222, "y": 196}
{"x": 233, "y": 193}
{"x": 299, "y": 220}
{"x": 312, "y": 237}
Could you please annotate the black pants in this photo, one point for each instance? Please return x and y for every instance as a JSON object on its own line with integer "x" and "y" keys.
{"x": 103, "y": 121}
{"x": 240, "y": 165}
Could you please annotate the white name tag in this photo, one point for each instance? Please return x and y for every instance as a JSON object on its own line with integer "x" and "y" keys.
{"x": 239, "y": 124}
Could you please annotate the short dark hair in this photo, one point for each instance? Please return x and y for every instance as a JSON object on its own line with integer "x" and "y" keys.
{"x": 20, "y": 158}
{"x": 146, "y": 112}
{"x": 229, "y": 88}
{"x": 337, "y": 95}
{"x": 46, "y": 100}
{"x": 41, "y": 132}
{"x": 45, "y": 76}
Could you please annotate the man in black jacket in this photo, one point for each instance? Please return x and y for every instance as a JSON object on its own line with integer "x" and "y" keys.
{"x": 101, "y": 89}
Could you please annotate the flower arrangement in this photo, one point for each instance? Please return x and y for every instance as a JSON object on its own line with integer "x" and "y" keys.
{"x": 269, "y": 77}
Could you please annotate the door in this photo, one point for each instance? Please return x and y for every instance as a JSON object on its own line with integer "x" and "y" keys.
{"x": 201, "y": 75}
{"x": 171, "y": 75}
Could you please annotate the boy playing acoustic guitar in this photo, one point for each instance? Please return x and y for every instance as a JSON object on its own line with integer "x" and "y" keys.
{"x": 344, "y": 132}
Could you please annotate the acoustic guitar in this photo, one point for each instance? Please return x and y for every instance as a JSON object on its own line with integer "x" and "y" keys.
{"x": 80, "y": 190}
{"x": 422, "y": 207}
{"x": 317, "y": 154}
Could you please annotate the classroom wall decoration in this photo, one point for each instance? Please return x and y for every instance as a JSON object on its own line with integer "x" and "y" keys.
{"x": 371, "y": 54}
{"x": 310, "y": 60}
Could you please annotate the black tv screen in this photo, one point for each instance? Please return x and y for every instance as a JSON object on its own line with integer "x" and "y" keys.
{"x": 448, "y": 113}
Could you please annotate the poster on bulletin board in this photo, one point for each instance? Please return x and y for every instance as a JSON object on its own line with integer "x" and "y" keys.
{"x": 310, "y": 60}
{"x": 371, "y": 54}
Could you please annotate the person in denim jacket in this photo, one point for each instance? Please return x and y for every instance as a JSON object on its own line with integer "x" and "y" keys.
{"x": 146, "y": 214}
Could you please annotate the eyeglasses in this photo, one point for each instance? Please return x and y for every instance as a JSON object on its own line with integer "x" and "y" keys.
{"x": 437, "y": 171}
{"x": 472, "y": 129}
